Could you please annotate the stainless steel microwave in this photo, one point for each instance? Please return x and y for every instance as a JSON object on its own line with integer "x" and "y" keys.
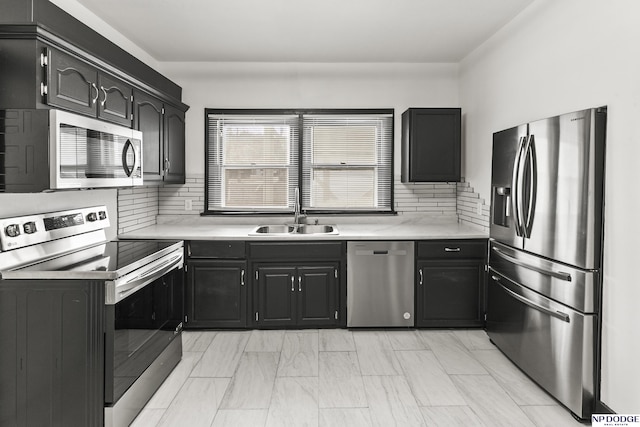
{"x": 89, "y": 153}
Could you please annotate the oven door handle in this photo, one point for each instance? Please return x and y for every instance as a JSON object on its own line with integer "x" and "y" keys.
{"x": 116, "y": 292}
{"x": 160, "y": 268}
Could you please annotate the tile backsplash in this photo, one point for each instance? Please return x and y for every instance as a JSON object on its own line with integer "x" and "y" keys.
{"x": 139, "y": 207}
{"x": 471, "y": 209}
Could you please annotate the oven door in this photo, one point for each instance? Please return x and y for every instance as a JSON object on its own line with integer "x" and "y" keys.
{"x": 139, "y": 328}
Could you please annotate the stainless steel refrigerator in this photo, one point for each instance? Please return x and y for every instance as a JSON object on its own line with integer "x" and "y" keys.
{"x": 545, "y": 257}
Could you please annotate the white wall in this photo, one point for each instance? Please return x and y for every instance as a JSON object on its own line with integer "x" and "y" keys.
{"x": 296, "y": 85}
{"x": 81, "y": 13}
{"x": 556, "y": 57}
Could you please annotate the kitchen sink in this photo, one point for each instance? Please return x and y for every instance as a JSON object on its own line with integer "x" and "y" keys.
{"x": 293, "y": 229}
{"x": 274, "y": 229}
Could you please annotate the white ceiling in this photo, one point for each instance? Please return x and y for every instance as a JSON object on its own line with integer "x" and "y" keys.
{"x": 307, "y": 30}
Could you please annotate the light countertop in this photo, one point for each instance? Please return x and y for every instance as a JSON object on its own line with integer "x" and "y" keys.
{"x": 402, "y": 227}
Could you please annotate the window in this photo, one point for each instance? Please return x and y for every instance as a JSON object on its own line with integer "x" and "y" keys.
{"x": 342, "y": 160}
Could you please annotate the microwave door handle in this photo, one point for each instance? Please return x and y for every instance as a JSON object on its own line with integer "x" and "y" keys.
{"x": 128, "y": 145}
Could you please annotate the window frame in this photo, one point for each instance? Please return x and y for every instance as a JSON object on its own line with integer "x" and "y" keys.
{"x": 300, "y": 112}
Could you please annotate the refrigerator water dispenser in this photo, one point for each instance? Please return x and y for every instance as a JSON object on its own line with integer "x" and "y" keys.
{"x": 501, "y": 205}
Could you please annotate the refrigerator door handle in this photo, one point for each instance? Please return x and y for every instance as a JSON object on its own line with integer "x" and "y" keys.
{"x": 557, "y": 314}
{"x": 532, "y": 183}
{"x": 557, "y": 274}
{"x": 517, "y": 187}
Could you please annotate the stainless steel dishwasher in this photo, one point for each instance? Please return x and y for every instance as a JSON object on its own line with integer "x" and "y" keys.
{"x": 380, "y": 284}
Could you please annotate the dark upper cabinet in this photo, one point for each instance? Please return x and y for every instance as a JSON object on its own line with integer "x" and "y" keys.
{"x": 431, "y": 144}
{"x": 162, "y": 126}
{"x": 75, "y": 85}
{"x": 174, "y": 142}
{"x": 66, "y": 65}
{"x": 71, "y": 83}
{"x": 450, "y": 283}
{"x": 148, "y": 119}
{"x": 114, "y": 102}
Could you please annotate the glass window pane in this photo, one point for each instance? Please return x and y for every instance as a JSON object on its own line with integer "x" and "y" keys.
{"x": 247, "y": 188}
{"x": 347, "y": 145}
{"x": 344, "y": 188}
{"x": 256, "y": 144}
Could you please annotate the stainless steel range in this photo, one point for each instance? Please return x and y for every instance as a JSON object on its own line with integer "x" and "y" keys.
{"x": 139, "y": 288}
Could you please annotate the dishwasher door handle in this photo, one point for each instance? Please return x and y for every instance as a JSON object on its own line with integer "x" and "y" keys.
{"x": 372, "y": 252}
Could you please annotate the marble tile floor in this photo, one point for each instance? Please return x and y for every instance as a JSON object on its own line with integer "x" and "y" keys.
{"x": 339, "y": 377}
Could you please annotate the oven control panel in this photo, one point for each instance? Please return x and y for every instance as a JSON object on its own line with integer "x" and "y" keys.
{"x": 28, "y": 230}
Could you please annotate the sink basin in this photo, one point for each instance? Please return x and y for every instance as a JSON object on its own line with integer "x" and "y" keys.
{"x": 316, "y": 229}
{"x": 273, "y": 229}
{"x": 292, "y": 230}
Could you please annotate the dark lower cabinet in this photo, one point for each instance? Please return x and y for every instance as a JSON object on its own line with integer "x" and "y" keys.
{"x": 216, "y": 294}
{"x": 296, "y": 296}
{"x": 450, "y": 293}
{"x": 51, "y": 362}
{"x": 450, "y": 283}
{"x": 275, "y": 296}
{"x": 317, "y": 296}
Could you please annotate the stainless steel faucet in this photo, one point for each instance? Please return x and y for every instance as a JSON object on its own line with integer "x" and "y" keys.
{"x": 297, "y": 216}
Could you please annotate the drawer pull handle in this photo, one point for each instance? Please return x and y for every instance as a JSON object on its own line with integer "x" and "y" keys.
{"x": 452, "y": 249}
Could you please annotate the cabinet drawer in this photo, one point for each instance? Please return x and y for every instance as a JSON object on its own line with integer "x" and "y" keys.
{"x": 297, "y": 250}
{"x": 216, "y": 249}
{"x": 452, "y": 249}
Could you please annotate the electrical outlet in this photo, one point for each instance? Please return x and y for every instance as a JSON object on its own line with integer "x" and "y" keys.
{"x": 188, "y": 204}
{"x": 479, "y": 208}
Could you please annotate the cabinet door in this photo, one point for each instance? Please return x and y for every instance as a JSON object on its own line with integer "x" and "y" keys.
{"x": 174, "y": 145}
{"x": 12, "y": 326}
{"x": 148, "y": 120}
{"x": 114, "y": 103}
{"x": 431, "y": 145}
{"x": 276, "y": 296}
{"x": 317, "y": 303}
{"x": 216, "y": 294}
{"x": 52, "y": 369}
{"x": 72, "y": 84}
{"x": 450, "y": 293}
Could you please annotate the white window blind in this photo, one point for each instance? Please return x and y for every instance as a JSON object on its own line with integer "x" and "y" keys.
{"x": 347, "y": 162}
{"x": 252, "y": 162}
{"x": 342, "y": 160}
